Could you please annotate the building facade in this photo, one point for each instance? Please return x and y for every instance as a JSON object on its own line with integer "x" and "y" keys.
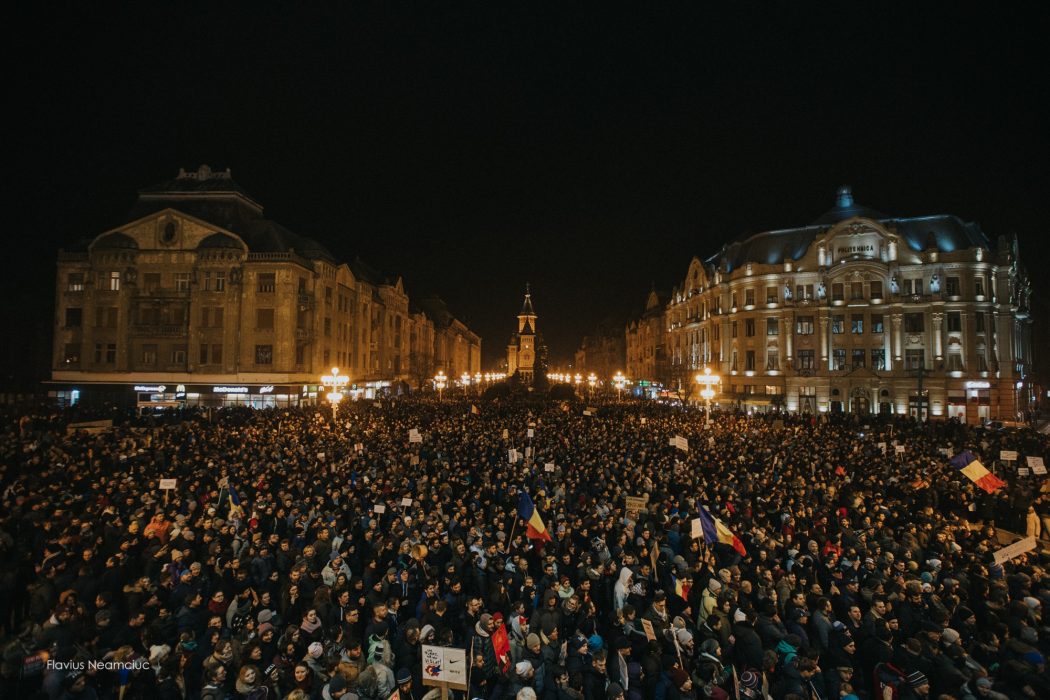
{"x": 521, "y": 351}
{"x": 601, "y": 352}
{"x": 859, "y": 312}
{"x": 645, "y": 346}
{"x": 199, "y": 299}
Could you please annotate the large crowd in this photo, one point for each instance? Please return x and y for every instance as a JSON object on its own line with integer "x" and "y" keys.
{"x": 304, "y": 559}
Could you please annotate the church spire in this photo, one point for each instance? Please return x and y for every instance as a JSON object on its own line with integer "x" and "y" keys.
{"x": 526, "y": 308}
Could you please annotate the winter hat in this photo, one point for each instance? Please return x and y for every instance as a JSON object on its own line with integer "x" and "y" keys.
{"x": 714, "y": 585}
{"x": 337, "y": 683}
{"x": 264, "y": 628}
{"x": 917, "y": 679}
{"x": 739, "y": 615}
{"x": 265, "y": 616}
{"x": 684, "y": 636}
{"x": 522, "y": 668}
{"x": 710, "y": 646}
{"x": 532, "y": 640}
{"x": 984, "y": 682}
{"x": 403, "y": 676}
{"x": 949, "y": 636}
{"x": 679, "y": 677}
{"x": 485, "y": 620}
{"x": 749, "y": 679}
{"x": 316, "y": 649}
{"x": 613, "y": 691}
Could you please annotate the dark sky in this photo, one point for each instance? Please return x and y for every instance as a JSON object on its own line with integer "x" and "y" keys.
{"x": 472, "y": 147}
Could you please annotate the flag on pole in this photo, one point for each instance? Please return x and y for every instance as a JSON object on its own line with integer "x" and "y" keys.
{"x": 235, "y": 501}
{"x": 681, "y": 587}
{"x": 973, "y": 470}
{"x": 535, "y": 529}
{"x": 716, "y": 531}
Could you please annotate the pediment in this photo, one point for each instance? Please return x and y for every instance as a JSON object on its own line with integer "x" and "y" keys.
{"x": 170, "y": 230}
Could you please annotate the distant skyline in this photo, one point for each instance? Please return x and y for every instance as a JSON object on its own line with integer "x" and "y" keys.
{"x": 474, "y": 149}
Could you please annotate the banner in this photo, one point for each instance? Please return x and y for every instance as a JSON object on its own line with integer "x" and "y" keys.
{"x": 1012, "y": 550}
{"x": 414, "y": 436}
{"x": 635, "y": 504}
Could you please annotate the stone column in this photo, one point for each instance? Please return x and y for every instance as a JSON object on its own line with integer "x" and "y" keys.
{"x": 789, "y": 332}
{"x": 938, "y": 335}
{"x": 824, "y": 341}
{"x": 895, "y": 320}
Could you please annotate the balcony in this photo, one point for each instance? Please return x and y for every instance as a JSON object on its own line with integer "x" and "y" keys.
{"x": 160, "y": 293}
{"x": 159, "y": 329}
{"x": 305, "y": 334}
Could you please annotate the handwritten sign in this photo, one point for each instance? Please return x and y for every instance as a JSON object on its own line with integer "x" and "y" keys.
{"x": 406, "y": 502}
{"x": 696, "y": 529}
{"x": 444, "y": 665}
{"x": 531, "y": 432}
{"x": 650, "y": 633}
{"x": 643, "y": 420}
{"x": 379, "y": 508}
{"x": 168, "y": 484}
{"x": 1023, "y": 471}
{"x": 1012, "y": 550}
{"x": 899, "y": 449}
{"x": 506, "y": 434}
{"x": 882, "y": 447}
{"x": 548, "y": 467}
{"x": 635, "y": 504}
{"x": 1036, "y": 464}
{"x": 681, "y": 443}
{"x": 1008, "y": 455}
{"x": 414, "y": 435}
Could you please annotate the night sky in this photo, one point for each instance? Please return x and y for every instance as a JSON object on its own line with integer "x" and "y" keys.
{"x": 472, "y": 147}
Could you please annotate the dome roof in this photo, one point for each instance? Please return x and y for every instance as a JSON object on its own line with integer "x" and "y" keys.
{"x": 220, "y": 240}
{"x": 116, "y": 241}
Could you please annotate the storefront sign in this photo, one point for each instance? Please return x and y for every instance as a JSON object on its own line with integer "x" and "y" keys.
{"x": 978, "y": 385}
{"x": 266, "y": 389}
{"x": 230, "y": 389}
{"x": 151, "y": 388}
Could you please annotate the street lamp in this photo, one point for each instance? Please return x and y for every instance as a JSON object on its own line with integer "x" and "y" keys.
{"x": 464, "y": 380}
{"x": 620, "y": 381}
{"x": 592, "y": 381}
{"x": 439, "y": 382}
{"x": 578, "y": 378}
{"x": 335, "y": 382}
{"x": 708, "y": 380}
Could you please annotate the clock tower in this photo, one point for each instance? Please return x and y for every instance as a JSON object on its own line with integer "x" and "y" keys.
{"x": 521, "y": 351}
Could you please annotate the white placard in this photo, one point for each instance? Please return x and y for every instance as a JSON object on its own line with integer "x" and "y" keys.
{"x": 548, "y": 467}
{"x": 882, "y": 446}
{"x": 168, "y": 484}
{"x": 1012, "y": 550}
{"x": 945, "y": 451}
{"x": 456, "y": 666}
{"x": 531, "y": 432}
{"x": 444, "y": 664}
{"x": 512, "y": 455}
{"x": 711, "y": 440}
{"x": 643, "y": 420}
{"x": 414, "y": 436}
{"x": 1039, "y": 468}
{"x": 1008, "y": 455}
{"x": 1023, "y": 471}
{"x": 586, "y": 413}
{"x": 528, "y": 451}
{"x": 681, "y": 443}
{"x": 696, "y": 529}
{"x": 406, "y": 502}
{"x": 506, "y": 434}
{"x": 433, "y": 663}
{"x": 379, "y": 508}
{"x": 899, "y": 449}
{"x": 1034, "y": 462}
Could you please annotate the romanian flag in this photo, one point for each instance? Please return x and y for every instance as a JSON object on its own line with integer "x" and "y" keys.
{"x": 535, "y": 529}
{"x": 973, "y": 470}
{"x": 716, "y": 531}
{"x": 681, "y": 587}
{"x": 474, "y": 410}
{"x": 235, "y": 502}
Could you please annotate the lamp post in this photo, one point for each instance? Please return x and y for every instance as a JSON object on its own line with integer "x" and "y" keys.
{"x": 440, "y": 381}
{"x": 335, "y": 382}
{"x": 464, "y": 380}
{"x": 619, "y": 380}
{"x": 592, "y": 381}
{"x": 708, "y": 381}
{"x": 578, "y": 378}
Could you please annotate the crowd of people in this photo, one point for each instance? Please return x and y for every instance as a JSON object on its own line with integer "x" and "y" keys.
{"x": 304, "y": 559}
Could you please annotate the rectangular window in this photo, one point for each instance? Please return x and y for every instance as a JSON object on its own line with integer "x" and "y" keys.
{"x": 111, "y": 353}
{"x": 978, "y": 284}
{"x": 913, "y": 323}
{"x": 772, "y": 360}
{"x": 856, "y": 290}
{"x": 838, "y": 358}
{"x": 328, "y": 327}
{"x": 216, "y": 353}
{"x": 75, "y": 283}
{"x": 773, "y": 390}
{"x": 328, "y": 296}
{"x": 182, "y": 281}
{"x": 264, "y": 354}
{"x": 876, "y": 323}
{"x": 857, "y": 357}
{"x": 836, "y": 292}
{"x": 913, "y": 286}
{"x": 982, "y": 362}
{"x": 955, "y": 363}
{"x": 856, "y": 323}
{"x": 113, "y": 282}
{"x": 804, "y": 325}
{"x": 178, "y": 354}
{"x": 105, "y": 317}
{"x": 749, "y": 297}
{"x": 71, "y": 355}
{"x": 300, "y": 354}
{"x": 954, "y": 321}
{"x": 732, "y": 328}
{"x": 327, "y": 355}
{"x": 876, "y": 289}
{"x": 749, "y": 327}
{"x": 74, "y": 317}
{"x": 733, "y": 362}
{"x": 214, "y": 281}
{"x": 149, "y": 355}
{"x": 264, "y": 319}
{"x": 952, "y": 286}
{"x": 749, "y": 360}
{"x": 914, "y": 359}
{"x": 838, "y": 324}
{"x": 151, "y": 281}
{"x": 805, "y": 359}
{"x": 979, "y": 322}
{"x": 803, "y": 291}
{"x": 878, "y": 359}
{"x": 204, "y": 354}
{"x": 772, "y": 326}
{"x": 771, "y": 295}
{"x": 267, "y": 282}
{"x": 732, "y": 301}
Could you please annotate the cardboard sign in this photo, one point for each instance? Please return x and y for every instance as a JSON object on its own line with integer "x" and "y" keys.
{"x": 635, "y": 504}
{"x": 586, "y": 413}
{"x": 1036, "y": 463}
{"x": 406, "y": 502}
{"x": 696, "y": 529}
{"x": 650, "y": 633}
{"x": 1008, "y": 455}
{"x": 379, "y": 508}
{"x": 711, "y": 440}
{"x": 506, "y": 434}
{"x": 1012, "y": 550}
{"x": 531, "y": 432}
{"x": 643, "y": 420}
{"x": 899, "y": 449}
{"x": 1023, "y": 471}
{"x": 444, "y": 665}
{"x": 882, "y": 446}
{"x": 413, "y": 460}
{"x": 548, "y": 467}
{"x": 528, "y": 451}
{"x": 681, "y": 443}
{"x": 168, "y": 484}
{"x": 414, "y": 436}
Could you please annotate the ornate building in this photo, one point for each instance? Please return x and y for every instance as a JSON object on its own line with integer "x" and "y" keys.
{"x": 859, "y": 311}
{"x": 198, "y": 298}
{"x": 521, "y": 351}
